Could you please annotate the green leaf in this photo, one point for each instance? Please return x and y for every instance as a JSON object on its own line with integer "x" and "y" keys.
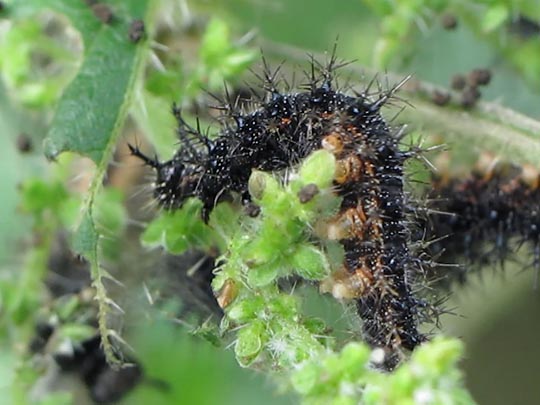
{"x": 176, "y": 243}
{"x": 86, "y": 238}
{"x": 284, "y": 306}
{"x": 215, "y": 43}
{"x": 319, "y": 168}
{"x": 153, "y": 234}
{"x": 177, "y": 231}
{"x": 263, "y": 275}
{"x": 250, "y": 342}
{"x": 220, "y": 54}
{"x": 243, "y": 311}
{"x": 495, "y": 17}
{"x": 310, "y": 263}
{"x": 38, "y": 195}
{"x": 261, "y": 184}
{"x": 221, "y": 59}
{"x": 94, "y": 105}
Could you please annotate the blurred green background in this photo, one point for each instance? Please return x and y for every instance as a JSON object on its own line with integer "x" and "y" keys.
{"x": 496, "y": 314}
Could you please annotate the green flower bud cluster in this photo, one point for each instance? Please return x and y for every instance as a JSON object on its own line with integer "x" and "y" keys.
{"x": 274, "y": 245}
{"x": 430, "y": 377}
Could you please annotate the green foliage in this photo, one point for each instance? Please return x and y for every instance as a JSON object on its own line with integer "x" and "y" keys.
{"x": 179, "y": 230}
{"x": 220, "y": 60}
{"x": 111, "y": 60}
{"x": 46, "y": 202}
{"x": 19, "y": 50}
{"x": 92, "y": 91}
{"x": 496, "y": 15}
{"x": 430, "y": 376}
{"x": 275, "y": 243}
{"x": 403, "y": 21}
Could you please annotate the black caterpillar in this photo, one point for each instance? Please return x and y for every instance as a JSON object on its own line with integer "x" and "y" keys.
{"x": 381, "y": 268}
{"x": 482, "y": 219}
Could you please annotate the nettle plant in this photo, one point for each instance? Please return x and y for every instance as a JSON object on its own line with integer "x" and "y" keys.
{"x": 301, "y": 188}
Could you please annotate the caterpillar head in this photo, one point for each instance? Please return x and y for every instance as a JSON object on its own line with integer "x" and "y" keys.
{"x": 175, "y": 182}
